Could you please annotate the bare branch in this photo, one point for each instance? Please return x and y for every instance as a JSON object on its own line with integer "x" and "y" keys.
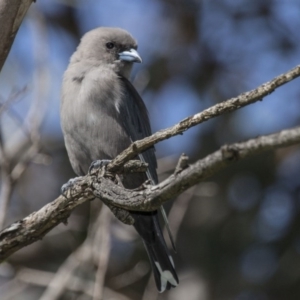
{"x": 61, "y": 281}
{"x": 12, "y": 13}
{"x": 36, "y": 225}
{"x": 154, "y": 196}
{"x": 76, "y": 284}
{"x": 29, "y": 147}
{"x": 5, "y": 194}
{"x": 227, "y": 106}
{"x": 101, "y": 251}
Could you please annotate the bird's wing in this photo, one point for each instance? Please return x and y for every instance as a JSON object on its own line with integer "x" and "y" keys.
{"x": 135, "y": 118}
{"x": 135, "y": 115}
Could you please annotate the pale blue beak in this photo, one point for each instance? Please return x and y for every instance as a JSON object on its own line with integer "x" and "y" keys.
{"x": 130, "y": 56}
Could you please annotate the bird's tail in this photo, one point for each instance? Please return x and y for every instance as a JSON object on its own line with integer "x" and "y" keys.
{"x": 148, "y": 227}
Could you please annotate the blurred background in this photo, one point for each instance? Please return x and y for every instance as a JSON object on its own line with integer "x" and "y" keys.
{"x": 238, "y": 234}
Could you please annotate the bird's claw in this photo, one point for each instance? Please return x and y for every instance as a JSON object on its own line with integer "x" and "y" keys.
{"x": 69, "y": 185}
{"x": 97, "y": 164}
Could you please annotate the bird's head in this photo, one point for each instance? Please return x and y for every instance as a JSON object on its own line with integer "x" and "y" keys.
{"x": 113, "y": 47}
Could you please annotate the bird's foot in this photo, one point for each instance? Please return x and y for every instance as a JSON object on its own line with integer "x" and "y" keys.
{"x": 69, "y": 185}
{"x": 98, "y": 164}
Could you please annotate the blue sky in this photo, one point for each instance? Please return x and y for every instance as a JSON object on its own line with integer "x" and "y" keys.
{"x": 251, "y": 51}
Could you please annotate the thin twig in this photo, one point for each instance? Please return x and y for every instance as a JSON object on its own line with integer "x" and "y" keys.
{"x": 131, "y": 276}
{"x": 96, "y": 245}
{"x": 33, "y": 277}
{"x": 60, "y": 281}
{"x": 9, "y": 173}
{"x": 5, "y": 195}
{"x": 12, "y": 289}
{"x": 101, "y": 250}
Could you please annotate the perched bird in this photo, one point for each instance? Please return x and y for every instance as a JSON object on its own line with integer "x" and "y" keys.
{"x": 101, "y": 114}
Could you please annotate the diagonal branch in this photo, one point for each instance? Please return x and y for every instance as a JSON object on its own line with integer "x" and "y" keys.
{"x": 212, "y": 112}
{"x": 36, "y": 225}
{"x": 12, "y": 13}
{"x": 154, "y": 196}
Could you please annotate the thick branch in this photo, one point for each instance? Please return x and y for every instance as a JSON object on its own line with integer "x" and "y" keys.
{"x": 154, "y": 196}
{"x": 212, "y": 112}
{"x": 12, "y": 13}
{"x": 36, "y": 225}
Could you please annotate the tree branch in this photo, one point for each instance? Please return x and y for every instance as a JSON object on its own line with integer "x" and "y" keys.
{"x": 37, "y": 224}
{"x": 153, "y": 197}
{"x": 227, "y": 106}
{"x": 12, "y": 13}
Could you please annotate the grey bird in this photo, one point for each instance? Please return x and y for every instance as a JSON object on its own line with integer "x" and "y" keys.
{"x": 101, "y": 114}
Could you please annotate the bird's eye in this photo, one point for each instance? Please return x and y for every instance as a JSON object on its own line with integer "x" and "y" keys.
{"x": 110, "y": 45}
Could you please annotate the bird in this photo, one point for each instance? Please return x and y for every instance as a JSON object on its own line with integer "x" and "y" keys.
{"x": 101, "y": 115}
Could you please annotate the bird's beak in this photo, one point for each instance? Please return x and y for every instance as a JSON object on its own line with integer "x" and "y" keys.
{"x": 130, "y": 56}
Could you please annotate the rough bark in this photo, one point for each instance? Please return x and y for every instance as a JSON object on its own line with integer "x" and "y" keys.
{"x": 86, "y": 188}
{"x": 227, "y": 106}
